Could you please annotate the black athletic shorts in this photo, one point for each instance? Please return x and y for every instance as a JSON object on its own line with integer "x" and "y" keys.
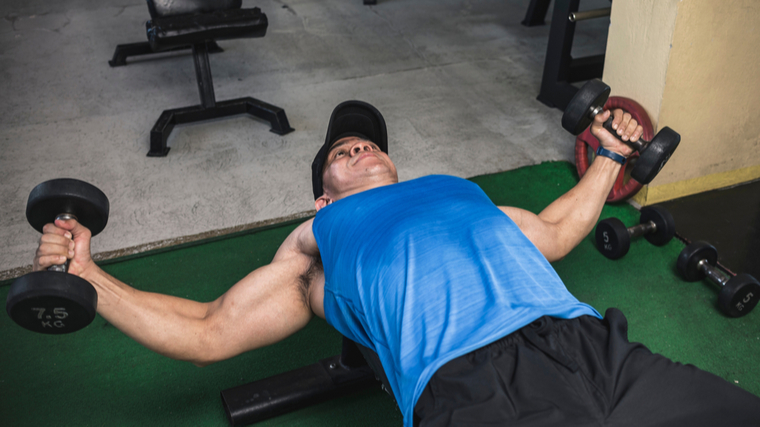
{"x": 579, "y": 372}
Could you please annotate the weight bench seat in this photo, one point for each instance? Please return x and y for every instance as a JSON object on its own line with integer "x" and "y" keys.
{"x": 183, "y": 30}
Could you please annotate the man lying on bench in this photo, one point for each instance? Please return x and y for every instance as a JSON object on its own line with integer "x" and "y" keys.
{"x": 455, "y": 295}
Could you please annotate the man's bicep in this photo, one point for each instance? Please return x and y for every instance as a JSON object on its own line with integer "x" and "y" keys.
{"x": 263, "y": 308}
{"x": 541, "y": 233}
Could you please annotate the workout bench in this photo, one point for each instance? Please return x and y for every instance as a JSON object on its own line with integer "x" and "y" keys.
{"x": 197, "y": 24}
{"x": 356, "y": 368}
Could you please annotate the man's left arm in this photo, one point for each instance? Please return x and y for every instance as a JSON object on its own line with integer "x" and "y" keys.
{"x": 562, "y": 225}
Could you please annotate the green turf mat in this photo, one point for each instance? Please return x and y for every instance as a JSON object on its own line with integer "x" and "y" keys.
{"x": 98, "y": 376}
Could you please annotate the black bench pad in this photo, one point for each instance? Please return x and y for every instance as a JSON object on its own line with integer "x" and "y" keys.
{"x": 165, "y": 8}
{"x": 183, "y": 30}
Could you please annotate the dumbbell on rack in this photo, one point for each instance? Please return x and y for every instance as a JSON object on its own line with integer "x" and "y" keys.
{"x": 589, "y": 101}
{"x": 738, "y": 294}
{"x": 54, "y": 301}
{"x": 613, "y": 239}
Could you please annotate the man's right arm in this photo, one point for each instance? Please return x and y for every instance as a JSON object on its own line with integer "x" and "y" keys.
{"x": 562, "y": 225}
{"x": 264, "y": 307}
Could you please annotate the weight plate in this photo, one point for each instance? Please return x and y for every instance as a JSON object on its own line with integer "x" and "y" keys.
{"x": 51, "y": 302}
{"x": 612, "y": 238}
{"x": 663, "y": 220}
{"x": 655, "y": 155}
{"x": 623, "y": 188}
{"x": 576, "y": 117}
{"x": 71, "y": 196}
{"x": 688, "y": 260}
{"x": 739, "y": 296}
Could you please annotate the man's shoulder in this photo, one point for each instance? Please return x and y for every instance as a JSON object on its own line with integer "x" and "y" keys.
{"x": 300, "y": 242}
{"x": 305, "y": 241}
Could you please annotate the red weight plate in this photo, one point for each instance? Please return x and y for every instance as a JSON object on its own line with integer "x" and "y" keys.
{"x": 623, "y": 188}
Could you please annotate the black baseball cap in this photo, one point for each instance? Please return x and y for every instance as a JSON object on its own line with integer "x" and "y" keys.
{"x": 350, "y": 118}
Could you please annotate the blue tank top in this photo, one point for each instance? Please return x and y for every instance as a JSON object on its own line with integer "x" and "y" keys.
{"x": 427, "y": 270}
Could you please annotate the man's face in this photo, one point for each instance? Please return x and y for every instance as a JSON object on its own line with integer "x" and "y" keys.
{"x": 354, "y": 165}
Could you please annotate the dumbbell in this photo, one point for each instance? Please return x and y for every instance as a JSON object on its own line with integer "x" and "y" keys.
{"x": 738, "y": 294}
{"x": 613, "y": 239}
{"x": 589, "y": 101}
{"x": 53, "y": 301}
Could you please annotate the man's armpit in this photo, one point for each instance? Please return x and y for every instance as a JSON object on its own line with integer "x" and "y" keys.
{"x": 307, "y": 279}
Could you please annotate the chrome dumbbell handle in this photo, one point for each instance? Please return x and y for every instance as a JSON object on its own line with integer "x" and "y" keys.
{"x": 642, "y": 229}
{"x": 712, "y": 273}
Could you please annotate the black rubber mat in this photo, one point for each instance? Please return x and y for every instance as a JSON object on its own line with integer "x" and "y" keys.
{"x": 729, "y": 219}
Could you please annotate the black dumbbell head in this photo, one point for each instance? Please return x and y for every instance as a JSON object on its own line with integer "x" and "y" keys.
{"x": 663, "y": 220}
{"x": 739, "y": 296}
{"x": 655, "y": 155}
{"x": 67, "y": 196}
{"x": 612, "y": 238}
{"x": 51, "y": 302}
{"x": 576, "y": 116}
{"x": 690, "y": 256}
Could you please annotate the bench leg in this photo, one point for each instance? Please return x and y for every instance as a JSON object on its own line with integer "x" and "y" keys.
{"x": 197, "y": 113}
{"x": 274, "y": 115}
{"x": 160, "y": 133}
{"x": 143, "y": 48}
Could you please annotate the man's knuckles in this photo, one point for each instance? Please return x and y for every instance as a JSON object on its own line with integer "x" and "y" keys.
{"x": 54, "y": 229}
{"x": 55, "y": 239}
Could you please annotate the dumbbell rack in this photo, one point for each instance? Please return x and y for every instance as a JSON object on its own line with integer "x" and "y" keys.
{"x": 560, "y": 68}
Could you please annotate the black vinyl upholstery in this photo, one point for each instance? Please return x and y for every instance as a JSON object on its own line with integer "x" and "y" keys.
{"x": 164, "y": 8}
{"x": 182, "y": 30}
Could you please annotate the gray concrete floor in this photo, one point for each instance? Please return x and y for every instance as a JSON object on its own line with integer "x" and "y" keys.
{"x": 455, "y": 79}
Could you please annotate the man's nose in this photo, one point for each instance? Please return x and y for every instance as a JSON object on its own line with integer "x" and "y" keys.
{"x": 359, "y": 147}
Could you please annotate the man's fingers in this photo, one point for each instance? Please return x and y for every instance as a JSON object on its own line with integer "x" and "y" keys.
{"x": 623, "y": 123}
{"x": 626, "y": 126}
{"x": 48, "y": 260}
{"x": 637, "y": 133}
{"x": 66, "y": 224}
{"x": 62, "y": 240}
{"x": 55, "y": 247}
{"x": 74, "y": 227}
{"x": 52, "y": 253}
{"x": 617, "y": 115}
{"x": 600, "y": 118}
{"x": 55, "y": 244}
{"x": 55, "y": 239}
{"x": 630, "y": 129}
{"x": 53, "y": 229}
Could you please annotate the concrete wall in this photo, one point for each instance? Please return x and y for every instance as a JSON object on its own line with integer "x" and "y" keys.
{"x": 693, "y": 65}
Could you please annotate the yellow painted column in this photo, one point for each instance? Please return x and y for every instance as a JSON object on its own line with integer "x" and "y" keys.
{"x": 694, "y": 65}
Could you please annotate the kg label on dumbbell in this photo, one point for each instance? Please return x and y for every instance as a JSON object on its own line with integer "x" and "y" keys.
{"x": 607, "y": 244}
{"x": 47, "y": 320}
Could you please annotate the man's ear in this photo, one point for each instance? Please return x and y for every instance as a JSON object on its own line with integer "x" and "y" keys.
{"x": 321, "y": 202}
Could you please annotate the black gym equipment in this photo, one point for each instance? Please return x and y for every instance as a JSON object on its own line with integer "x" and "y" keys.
{"x": 124, "y": 51}
{"x": 53, "y": 301}
{"x": 589, "y": 101}
{"x": 197, "y": 24}
{"x": 561, "y": 70}
{"x": 738, "y": 294}
{"x": 355, "y": 369}
{"x": 613, "y": 239}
